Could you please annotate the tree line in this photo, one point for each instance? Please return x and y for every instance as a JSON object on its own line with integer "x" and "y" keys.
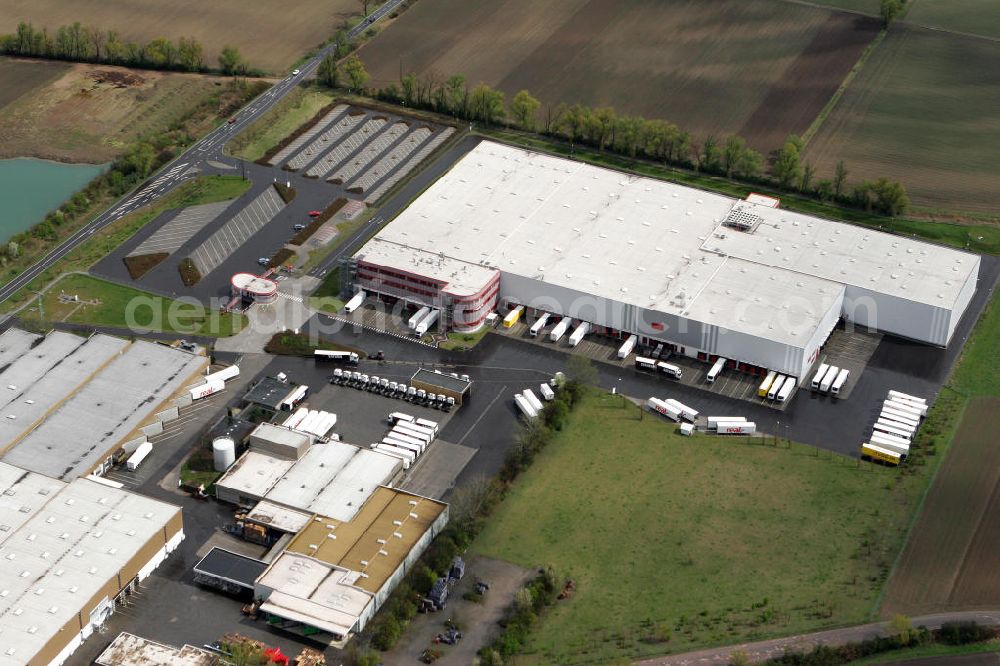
{"x": 604, "y": 129}
{"x": 81, "y": 43}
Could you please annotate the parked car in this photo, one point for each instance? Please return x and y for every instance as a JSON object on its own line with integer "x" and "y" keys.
{"x": 315, "y": 213}
{"x": 263, "y": 261}
{"x": 299, "y": 227}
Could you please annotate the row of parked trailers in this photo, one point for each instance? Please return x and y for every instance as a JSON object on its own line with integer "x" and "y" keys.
{"x": 776, "y": 387}
{"x": 391, "y": 389}
{"x": 528, "y": 403}
{"x": 895, "y": 428}
{"x": 214, "y": 382}
{"x": 722, "y": 425}
{"x": 407, "y": 438}
{"x": 311, "y": 421}
{"x": 829, "y": 379}
{"x": 422, "y": 320}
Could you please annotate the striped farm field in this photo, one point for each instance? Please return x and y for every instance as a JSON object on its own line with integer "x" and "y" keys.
{"x": 271, "y": 36}
{"x": 758, "y": 68}
{"x": 923, "y": 111}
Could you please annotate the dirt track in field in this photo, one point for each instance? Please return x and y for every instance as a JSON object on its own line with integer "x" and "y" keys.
{"x": 757, "y": 67}
{"x": 951, "y": 558}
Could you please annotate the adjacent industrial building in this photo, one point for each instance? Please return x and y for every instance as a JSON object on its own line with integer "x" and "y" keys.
{"x": 70, "y": 551}
{"x": 704, "y": 274}
{"x": 72, "y": 402}
{"x": 335, "y": 574}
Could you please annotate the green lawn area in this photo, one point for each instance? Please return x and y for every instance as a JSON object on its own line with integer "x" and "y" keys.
{"x": 206, "y": 189}
{"x": 297, "y": 108}
{"x": 701, "y": 540}
{"x": 978, "y": 17}
{"x": 866, "y": 6}
{"x": 976, "y": 373}
{"x": 931, "y": 651}
{"x": 464, "y": 340}
{"x": 121, "y": 306}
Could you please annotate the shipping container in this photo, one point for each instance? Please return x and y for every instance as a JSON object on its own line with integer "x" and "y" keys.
{"x": 889, "y": 429}
{"x": 525, "y": 408}
{"x": 689, "y": 413}
{"x": 687, "y": 429}
{"x": 207, "y": 389}
{"x": 765, "y": 385}
{"x": 890, "y": 441}
{"x": 906, "y": 407}
{"x": 225, "y": 374}
{"x": 415, "y": 449}
{"x": 417, "y": 441}
{"x": 427, "y": 322}
{"x": 908, "y": 427}
{"x": 818, "y": 377}
{"x": 772, "y": 392}
{"x": 547, "y": 392}
{"x": 661, "y": 407}
{"x": 539, "y": 324}
{"x": 827, "y": 381}
{"x": 786, "y": 389}
{"x": 643, "y": 363}
{"x": 736, "y": 428}
{"x": 717, "y": 367}
{"x": 669, "y": 369}
{"x": 532, "y": 399}
{"x": 336, "y": 356}
{"x": 875, "y": 452}
{"x": 402, "y": 429}
{"x": 560, "y": 329}
{"x": 404, "y": 456}
{"x": 138, "y": 456}
{"x": 906, "y": 396}
{"x": 713, "y": 421}
{"x": 513, "y": 316}
{"x": 839, "y": 382}
{"x": 901, "y": 451}
{"x": 414, "y": 427}
{"x": 889, "y": 413}
{"x": 628, "y": 346}
{"x": 427, "y": 423}
{"x": 577, "y": 335}
{"x": 296, "y": 417}
{"x": 420, "y": 314}
{"x": 355, "y": 302}
{"x": 396, "y": 417}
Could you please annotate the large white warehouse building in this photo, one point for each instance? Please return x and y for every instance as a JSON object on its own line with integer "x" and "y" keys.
{"x": 705, "y": 274}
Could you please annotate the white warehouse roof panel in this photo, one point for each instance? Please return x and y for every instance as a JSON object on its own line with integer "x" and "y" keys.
{"x": 658, "y": 246}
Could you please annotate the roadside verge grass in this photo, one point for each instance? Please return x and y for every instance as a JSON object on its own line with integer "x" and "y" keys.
{"x": 297, "y": 108}
{"x": 83, "y": 299}
{"x": 682, "y": 542}
{"x": 207, "y": 189}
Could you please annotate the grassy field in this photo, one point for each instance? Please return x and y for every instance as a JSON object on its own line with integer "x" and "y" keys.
{"x": 82, "y": 299}
{"x": 758, "y": 68}
{"x": 976, "y": 237}
{"x": 19, "y": 77}
{"x": 76, "y": 113}
{"x": 270, "y": 36}
{"x": 866, "y": 6}
{"x": 297, "y": 108}
{"x": 950, "y": 558}
{"x": 922, "y": 111}
{"x": 977, "y": 17}
{"x": 464, "y": 340}
{"x": 206, "y": 189}
{"x": 679, "y": 542}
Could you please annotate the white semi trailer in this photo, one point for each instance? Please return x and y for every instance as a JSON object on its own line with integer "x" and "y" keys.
{"x": 560, "y": 329}
{"x": 628, "y": 346}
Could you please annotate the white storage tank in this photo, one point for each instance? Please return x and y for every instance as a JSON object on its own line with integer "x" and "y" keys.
{"x": 223, "y": 453}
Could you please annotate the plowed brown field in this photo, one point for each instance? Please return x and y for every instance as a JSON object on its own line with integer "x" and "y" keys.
{"x": 758, "y": 68}
{"x": 271, "y": 35}
{"x": 951, "y": 559}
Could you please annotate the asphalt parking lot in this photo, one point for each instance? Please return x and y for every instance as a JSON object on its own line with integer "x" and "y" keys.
{"x": 237, "y": 231}
{"x": 175, "y": 227}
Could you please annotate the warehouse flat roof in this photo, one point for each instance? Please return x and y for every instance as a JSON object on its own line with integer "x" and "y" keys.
{"x": 333, "y": 479}
{"x": 376, "y": 540}
{"x": 314, "y": 592}
{"x": 230, "y": 567}
{"x": 64, "y": 554}
{"x": 279, "y": 517}
{"x": 22, "y": 494}
{"x": 50, "y": 373}
{"x": 460, "y": 278}
{"x": 131, "y": 650}
{"x": 448, "y": 382}
{"x": 641, "y": 241}
{"x": 254, "y": 474}
{"x": 90, "y": 423}
{"x": 14, "y": 342}
{"x": 269, "y": 392}
{"x": 281, "y": 435}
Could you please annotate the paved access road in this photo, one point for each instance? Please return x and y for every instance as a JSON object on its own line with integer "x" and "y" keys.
{"x": 764, "y": 650}
{"x": 194, "y": 159}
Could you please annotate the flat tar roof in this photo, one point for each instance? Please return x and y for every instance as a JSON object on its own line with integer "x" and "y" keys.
{"x": 281, "y": 435}
{"x": 64, "y": 554}
{"x": 376, "y": 541}
{"x": 279, "y": 517}
{"x": 448, "y": 382}
{"x": 646, "y": 242}
{"x": 22, "y": 494}
{"x": 231, "y": 567}
{"x": 87, "y": 422}
{"x": 269, "y": 392}
{"x": 333, "y": 479}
